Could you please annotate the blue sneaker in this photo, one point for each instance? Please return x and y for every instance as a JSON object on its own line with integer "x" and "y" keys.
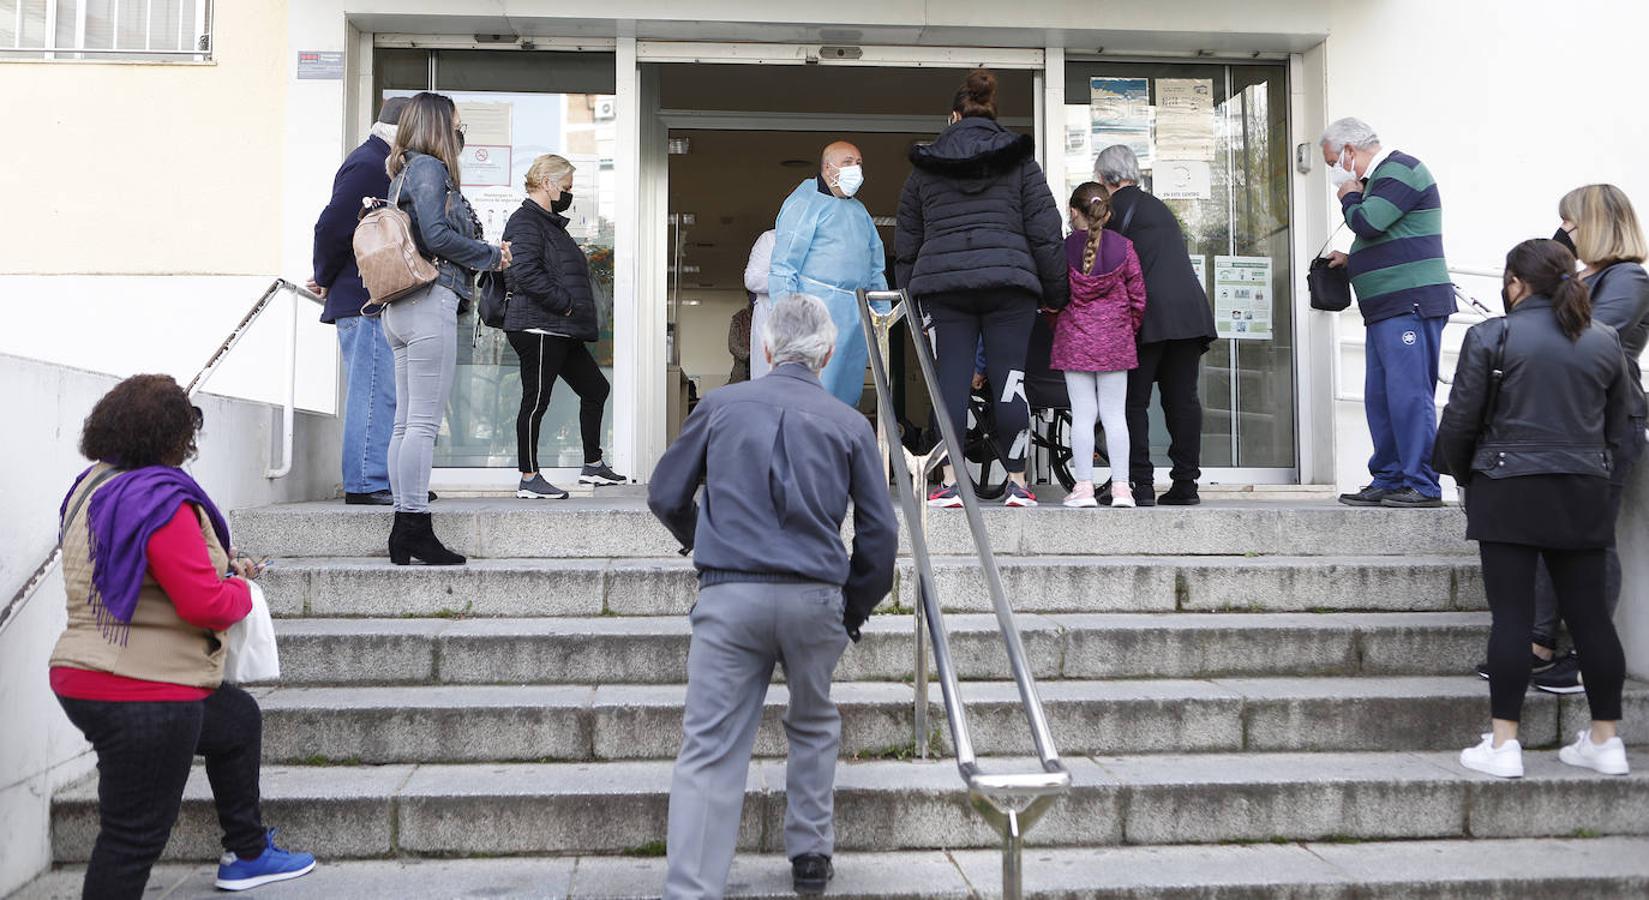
{"x": 236, "y": 874}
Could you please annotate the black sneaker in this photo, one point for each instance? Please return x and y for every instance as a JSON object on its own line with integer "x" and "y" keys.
{"x": 536, "y": 488}
{"x": 1369, "y": 496}
{"x": 1562, "y": 677}
{"x": 1145, "y": 493}
{"x": 1409, "y": 498}
{"x": 1183, "y": 493}
{"x": 376, "y": 498}
{"x": 809, "y": 874}
{"x": 1537, "y": 666}
{"x": 599, "y": 473}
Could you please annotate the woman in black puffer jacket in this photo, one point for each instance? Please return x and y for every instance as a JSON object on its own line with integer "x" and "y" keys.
{"x": 979, "y": 246}
{"x": 550, "y": 317}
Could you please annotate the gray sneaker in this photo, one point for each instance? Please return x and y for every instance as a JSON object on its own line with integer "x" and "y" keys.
{"x": 536, "y": 488}
{"x": 599, "y": 473}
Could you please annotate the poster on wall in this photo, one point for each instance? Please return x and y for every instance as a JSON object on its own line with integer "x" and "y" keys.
{"x": 1199, "y": 265}
{"x": 1185, "y": 119}
{"x": 1242, "y": 297}
{"x": 1182, "y": 179}
{"x": 1120, "y": 112}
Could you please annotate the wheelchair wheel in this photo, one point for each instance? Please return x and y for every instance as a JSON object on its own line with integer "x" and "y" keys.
{"x": 1055, "y": 438}
{"x": 981, "y": 451}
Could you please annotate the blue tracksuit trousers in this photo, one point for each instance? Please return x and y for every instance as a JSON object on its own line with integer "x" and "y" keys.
{"x": 1400, "y": 399}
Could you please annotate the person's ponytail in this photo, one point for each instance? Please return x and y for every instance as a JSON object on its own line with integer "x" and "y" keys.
{"x": 1548, "y": 268}
{"x": 1095, "y": 205}
{"x": 977, "y": 95}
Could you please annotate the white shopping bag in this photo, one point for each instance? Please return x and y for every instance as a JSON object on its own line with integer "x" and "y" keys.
{"x": 251, "y": 654}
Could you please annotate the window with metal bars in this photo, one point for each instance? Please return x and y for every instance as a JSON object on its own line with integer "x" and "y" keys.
{"x": 152, "y": 30}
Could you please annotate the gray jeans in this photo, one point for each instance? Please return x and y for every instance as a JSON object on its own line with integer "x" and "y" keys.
{"x": 739, "y": 631}
{"x": 1545, "y": 595}
{"x": 422, "y": 330}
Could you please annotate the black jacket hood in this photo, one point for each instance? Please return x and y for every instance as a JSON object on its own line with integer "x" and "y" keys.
{"x": 975, "y": 147}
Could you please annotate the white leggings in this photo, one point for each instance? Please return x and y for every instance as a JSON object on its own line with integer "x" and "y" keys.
{"x": 1100, "y": 396}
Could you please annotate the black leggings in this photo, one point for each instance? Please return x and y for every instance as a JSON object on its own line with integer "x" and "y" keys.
{"x": 1509, "y": 578}
{"x": 144, "y": 753}
{"x": 543, "y": 358}
{"x": 1005, "y": 320}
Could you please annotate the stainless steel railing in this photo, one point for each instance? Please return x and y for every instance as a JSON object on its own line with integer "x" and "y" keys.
{"x": 1010, "y": 802}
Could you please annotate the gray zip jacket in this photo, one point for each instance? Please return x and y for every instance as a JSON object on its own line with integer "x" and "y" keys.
{"x": 780, "y": 458}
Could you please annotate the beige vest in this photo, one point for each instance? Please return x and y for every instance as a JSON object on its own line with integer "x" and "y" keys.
{"x": 161, "y": 645}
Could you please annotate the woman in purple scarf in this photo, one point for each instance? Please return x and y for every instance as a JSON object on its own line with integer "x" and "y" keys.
{"x": 139, "y": 670}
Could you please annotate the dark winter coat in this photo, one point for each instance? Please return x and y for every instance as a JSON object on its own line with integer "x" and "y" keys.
{"x": 549, "y": 277}
{"x": 1176, "y": 306}
{"x": 361, "y": 175}
{"x": 976, "y": 215}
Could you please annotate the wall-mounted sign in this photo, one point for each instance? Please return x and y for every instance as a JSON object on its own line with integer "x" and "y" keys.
{"x": 321, "y": 65}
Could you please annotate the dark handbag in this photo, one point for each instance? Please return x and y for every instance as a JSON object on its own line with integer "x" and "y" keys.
{"x": 492, "y": 298}
{"x": 1491, "y": 396}
{"x": 1329, "y": 286}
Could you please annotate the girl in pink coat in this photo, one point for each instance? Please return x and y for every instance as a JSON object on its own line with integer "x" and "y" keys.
{"x": 1094, "y": 341}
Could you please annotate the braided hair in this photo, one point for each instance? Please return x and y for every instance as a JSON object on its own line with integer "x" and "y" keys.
{"x": 1091, "y": 200}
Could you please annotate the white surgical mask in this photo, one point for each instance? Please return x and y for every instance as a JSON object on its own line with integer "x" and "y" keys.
{"x": 849, "y": 179}
{"x": 1339, "y": 173}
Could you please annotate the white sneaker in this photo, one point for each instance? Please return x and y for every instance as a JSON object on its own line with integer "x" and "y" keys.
{"x": 1122, "y": 496}
{"x": 1608, "y": 757}
{"x": 1505, "y": 761}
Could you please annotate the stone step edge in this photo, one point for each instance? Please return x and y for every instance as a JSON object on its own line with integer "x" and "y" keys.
{"x": 1615, "y": 866}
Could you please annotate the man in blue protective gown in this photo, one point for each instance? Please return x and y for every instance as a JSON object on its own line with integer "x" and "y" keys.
{"x": 827, "y": 247}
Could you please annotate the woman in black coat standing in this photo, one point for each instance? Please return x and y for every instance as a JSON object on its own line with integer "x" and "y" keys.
{"x": 1541, "y": 407}
{"x": 979, "y": 246}
{"x": 550, "y": 318}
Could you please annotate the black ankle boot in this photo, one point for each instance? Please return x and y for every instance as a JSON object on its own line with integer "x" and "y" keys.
{"x": 416, "y": 540}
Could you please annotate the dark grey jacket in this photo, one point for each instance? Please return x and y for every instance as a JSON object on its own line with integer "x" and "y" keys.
{"x": 1176, "y": 306}
{"x": 549, "y": 276}
{"x": 1564, "y": 407}
{"x": 780, "y": 458}
{"x": 1620, "y": 300}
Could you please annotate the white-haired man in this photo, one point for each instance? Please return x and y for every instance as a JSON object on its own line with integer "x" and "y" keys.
{"x": 1396, "y": 265}
{"x": 780, "y": 459}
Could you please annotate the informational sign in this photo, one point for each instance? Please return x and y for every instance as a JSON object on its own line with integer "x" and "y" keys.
{"x": 486, "y": 165}
{"x": 1121, "y": 113}
{"x": 1185, "y": 119}
{"x": 1199, "y": 264}
{"x": 1242, "y": 297}
{"x": 320, "y": 65}
{"x": 1182, "y": 179}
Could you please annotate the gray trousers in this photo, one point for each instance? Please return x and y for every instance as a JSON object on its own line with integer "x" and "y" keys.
{"x": 1545, "y": 595}
{"x": 422, "y": 330}
{"x": 739, "y": 631}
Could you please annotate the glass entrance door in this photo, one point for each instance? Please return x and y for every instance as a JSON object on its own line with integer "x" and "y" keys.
{"x": 1213, "y": 143}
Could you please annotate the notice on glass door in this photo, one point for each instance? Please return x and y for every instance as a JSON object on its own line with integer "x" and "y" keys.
{"x": 1185, "y": 120}
{"x": 1242, "y": 298}
{"x": 1120, "y": 111}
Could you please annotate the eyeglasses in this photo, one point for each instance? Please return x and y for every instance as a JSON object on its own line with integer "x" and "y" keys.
{"x": 199, "y": 417}
{"x": 462, "y": 128}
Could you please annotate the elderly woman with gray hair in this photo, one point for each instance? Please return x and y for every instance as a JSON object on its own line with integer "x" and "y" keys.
{"x": 1176, "y": 331}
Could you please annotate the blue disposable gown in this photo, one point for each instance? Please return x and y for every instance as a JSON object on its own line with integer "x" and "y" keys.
{"x": 828, "y": 247}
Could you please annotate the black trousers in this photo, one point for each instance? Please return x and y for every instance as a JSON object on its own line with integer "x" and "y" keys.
{"x": 1005, "y": 320}
{"x": 543, "y": 359}
{"x": 1175, "y": 366}
{"x": 144, "y": 753}
{"x": 1578, "y": 575}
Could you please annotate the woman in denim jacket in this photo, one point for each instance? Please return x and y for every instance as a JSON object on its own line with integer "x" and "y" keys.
{"x": 422, "y": 327}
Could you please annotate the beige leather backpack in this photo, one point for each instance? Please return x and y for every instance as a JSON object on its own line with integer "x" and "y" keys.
{"x": 391, "y": 266}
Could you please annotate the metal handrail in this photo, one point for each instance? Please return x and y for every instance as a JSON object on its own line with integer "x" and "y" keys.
{"x": 1010, "y": 802}
{"x": 14, "y": 606}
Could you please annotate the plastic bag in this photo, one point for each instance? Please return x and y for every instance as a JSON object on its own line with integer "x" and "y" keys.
{"x": 251, "y": 654}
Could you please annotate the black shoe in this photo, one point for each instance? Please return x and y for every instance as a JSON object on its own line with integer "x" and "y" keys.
{"x": 1561, "y": 677}
{"x": 1537, "y": 666}
{"x": 415, "y": 539}
{"x": 1409, "y": 498}
{"x": 1183, "y": 493}
{"x": 1369, "y": 496}
{"x": 376, "y": 498}
{"x": 810, "y": 872}
{"x": 599, "y": 473}
{"x": 432, "y": 497}
{"x": 1145, "y": 493}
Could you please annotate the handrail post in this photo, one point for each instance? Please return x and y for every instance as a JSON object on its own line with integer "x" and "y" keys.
{"x": 918, "y": 477}
{"x": 1013, "y": 858}
{"x": 882, "y": 323}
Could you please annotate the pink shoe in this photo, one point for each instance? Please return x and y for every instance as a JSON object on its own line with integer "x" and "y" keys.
{"x": 1081, "y": 496}
{"x": 1122, "y": 496}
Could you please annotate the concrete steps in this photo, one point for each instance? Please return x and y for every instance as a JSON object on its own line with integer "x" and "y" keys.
{"x": 364, "y": 587}
{"x": 503, "y": 723}
{"x": 653, "y": 650}
{"x": 535, "y": 809}
{"x": 600, "y": 528}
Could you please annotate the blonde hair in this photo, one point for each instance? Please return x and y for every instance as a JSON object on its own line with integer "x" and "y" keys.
{"x": 548, "y": 169}
{"x": 1606, "y": 228}
{"x": 426, "y": 127}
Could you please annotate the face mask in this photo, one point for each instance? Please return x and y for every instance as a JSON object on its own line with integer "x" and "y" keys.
{"x": 849, "y": 179}
{"x": 561, "y": 203}
{"x": 1338, "y": 174}
{"x": 460, "y": 139}
{"x": 1563, "y": 237}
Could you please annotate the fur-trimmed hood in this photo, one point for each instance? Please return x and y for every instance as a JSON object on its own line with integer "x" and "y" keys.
{"x": 974, "y": 148}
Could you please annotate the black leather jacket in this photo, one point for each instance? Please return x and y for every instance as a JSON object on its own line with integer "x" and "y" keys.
{"x": 1564, "y": 407}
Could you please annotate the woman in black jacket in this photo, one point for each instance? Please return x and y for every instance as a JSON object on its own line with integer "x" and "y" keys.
{"x": 550, "y": 317}
{"x": 1601, "y": 229}
{"x": 1541, "y": 404}
{"x": 979, "y": 246}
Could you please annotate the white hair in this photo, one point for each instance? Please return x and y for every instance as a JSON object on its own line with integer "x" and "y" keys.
{"x": 1349, "y": 132}
{"x": 1116, "y": 164}
{"x": 799, "y": 330}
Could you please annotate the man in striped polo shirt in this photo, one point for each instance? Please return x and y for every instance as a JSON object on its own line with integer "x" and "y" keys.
{"x": 1396, "y": 265}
